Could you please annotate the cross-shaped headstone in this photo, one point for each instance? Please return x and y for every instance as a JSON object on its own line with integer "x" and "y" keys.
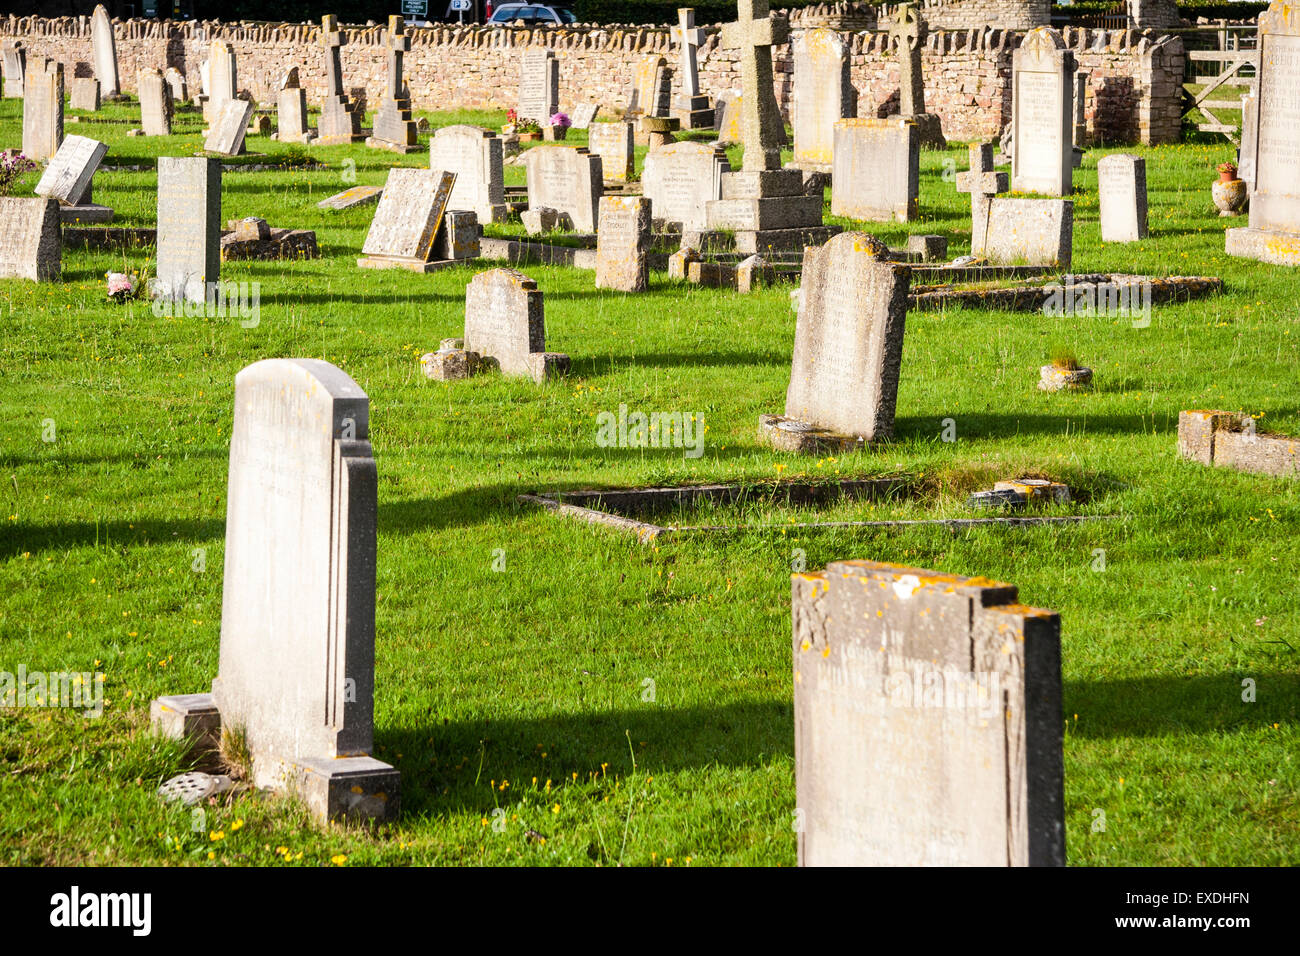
{"x": 398, "y": 43}
{"x": 983, "y": 183}
{"x": 754, "y": 33}
{"x": 689, "y": 38}
{"x": 332, "y": 39}
{"x": 909, "y": 32}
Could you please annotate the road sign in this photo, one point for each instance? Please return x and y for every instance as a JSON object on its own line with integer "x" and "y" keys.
{"x": 461, "y": 5}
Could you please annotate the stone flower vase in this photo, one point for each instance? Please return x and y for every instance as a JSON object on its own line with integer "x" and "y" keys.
{"x": 1055, "y": 378}
{"x": 1230, "y": 193}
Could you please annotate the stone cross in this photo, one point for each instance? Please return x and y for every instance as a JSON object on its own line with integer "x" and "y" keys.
{"x": 909, "y": 33}
{"x": 398, "y": 43}
{"x": 754, "y": 33}
{"x": 983, "y": 184}
{"x": 333, "y": 40}
{"x": 689, "y": 38}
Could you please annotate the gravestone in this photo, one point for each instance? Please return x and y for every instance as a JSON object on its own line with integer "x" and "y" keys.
{"x": 1032, "y": 232}
{"x": 908, "y": 34}
{"x": 15, "y": 65}
{"x": 189, "y": 227}
{"x": 727, "y": 117}
{"x": 291, "y": 111}
{"x": 223, "y": 81}
{"x": 30, "y": 242}
{"x": 1274, "y": 231}
{"x": 877, "y": 169}
{"x": 567, "y": 179}
{"x": 340, "y": 121}
{"x": 1079, "y": 137}
{"x": 355, "y": 196}
{"x": 983, "y": 183}
{"x": 297, "y": 660}
{"x": 85, "y": 93}
{"x": 104, "y": 47}
{"x": 823, "y": 95}
{"x": 623, "y": 244}
{"x": 42, "y": 109}
{"x": 156, "y": 104}
{"x": 505, "y": 325}
{"x": 1042, "y": 82}
{"x": 229, "y": 128}
{"x": 410, "y": 211}
{"x": 395, "y": 130}
{"x": 848, "y": 349}
{"x": 476, "y": 156}
{"x": 927, "y": 716}
{"x": 180, "y": 92}
{"x": 539, "y": 86}
{"x": 1122, "y": 188}
{"x": 584, "y": 114}
{"x": 614, "y": 144}
{"x": 68, "y": 179}
{"x": 692, "y": 108}
{"x": 651, "y": 87}
{"x": 1249, "y": 139}
{"x": 458, "y": 237}
{"x": 680, "y": 180}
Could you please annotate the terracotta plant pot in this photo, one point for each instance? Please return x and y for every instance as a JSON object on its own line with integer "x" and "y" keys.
{"x": 529, "y": 137}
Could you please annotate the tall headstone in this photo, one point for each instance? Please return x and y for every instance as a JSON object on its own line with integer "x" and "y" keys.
{"x": 407, "y": 219}
{"x": 340, "y": 121}
{"x": 296, "y": 671}
{"x": 614, "y": 143}
{"x": 1042, "y": 83}
{"x": 651, "y": 86}
{"x": 476, "y": 156}
{"x": 823, "y": 95}
{"x": 1030, "y": 232}
{"x": 877, "y": 169}
{"x": 30, "y": 242}
{"x": 623, "y": 244}
{"x": 189, "y": 227}
{"x": 71, "y": 170}
{"x": 180, "y": 91}
{"x": 680, "y": 180}
{"x": 229, "y": 127}
{"x": 1122, "y": 188}
{"x": 156, "y": 103}
{"x": 848, "y": 349}
{"x": 927, "y": 720}
{"x": 567, "y": 179}
{"x": 223, "y": 80}
{"x": 693, "y": 108}
{"x": 505, "y": 324}
{"x": 983, "y": 183}
{"x": 291, "y": 111}
{"x": 1274, "y": 231}
{"x": 1249, "y": 138}
{"x": 85, "y": 93}
{"x": 395, "y": 130}
{"x": 754, "y": 33}
{"x": 15, "y": 65}
{"x": 539, "y": 86}
{"x": 42, "y": 108}
{"x": 104, "y": 47}
{"x": 909, "y": 35}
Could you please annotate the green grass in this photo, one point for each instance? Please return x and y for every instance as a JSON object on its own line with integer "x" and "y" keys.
{"x": 524, "y": 690}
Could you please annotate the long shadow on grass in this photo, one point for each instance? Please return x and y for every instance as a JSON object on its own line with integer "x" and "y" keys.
{"x": 1076, "y": 421}
{"x": 81, "y": 534}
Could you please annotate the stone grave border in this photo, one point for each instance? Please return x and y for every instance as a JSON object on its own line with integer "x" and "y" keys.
{"x": 1028, "y": 297}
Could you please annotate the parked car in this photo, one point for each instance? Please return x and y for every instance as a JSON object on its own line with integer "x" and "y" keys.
{"x": 530, "y": 13}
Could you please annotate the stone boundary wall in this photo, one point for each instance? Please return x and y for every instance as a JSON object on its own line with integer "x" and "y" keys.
{"x": 1001, "y": 14}
{"x": 1134, "y": 93}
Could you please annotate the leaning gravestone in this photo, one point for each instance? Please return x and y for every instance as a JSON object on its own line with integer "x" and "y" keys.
{"x": 340, "y": 121}
{"x": 85, "y": 94}
{"x": 568, "y": 180}
{"x": 1274, "y": 231}
{"x": 104, "y": 47}
{"x": 927, "y": 720}
{"x": 189, "y": 227}
{"x": 406, "y": 222}
{"x": 229, "y": 129}
{"x": 680, "y": 179}
{"x": 15, "y": 65}
{"x": 505, "y": 325}
{"x": 176, "y": 81}
{"x": 614, "y": 144}
{"x": 156, "y": 104}
{"x": 539, "y": 86}
{"x": 584, "y": 114}
{"x": 395, "y": 130}
{"x": 291, "y": 111}
{"x": 1122, "y": 188}
{"x": 1042, "y": 83}
{"x": 1030, "y": 232}
{"x": 623, "y": 244}
{"x": 477, "y": 157}
{"x": 848, "y": 349}
{"x": 823, "y": 95}
{"x": 297, "y": 665}
{"x": 42, "y": 109}
{"x": 30, "y": 243}
{"x": 68, "y": 179}
{"x": 877, "y": 170}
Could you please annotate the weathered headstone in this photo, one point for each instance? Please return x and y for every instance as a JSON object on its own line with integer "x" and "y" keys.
{"x": 754, "y": 33}
{"x": 623, "y": 244}
{"x": 42, "y": 108}
{"x": 539, "y": 86}
{"x": 1274, "y": 231}
{"x": 340, "y": 121}
{"x": 505, "y": 325}
{"x": 156, "y": 104}
{"x": 229, "y": 128}
{"x": 291, "y": 111}
{"x": 355, "y": 196}
{"x": 727, "y": 117}
{"x": 679, "y": 180}
{"x": 983, "y": 183}
{"x": 30, "y": 243}
{"x": 189, "y": 227}
{"x": 848, "y": 349}
{"x": 1032, "y": 232}
{"x": 823, "y": 95}
{"x": 877, "y": 169}
{"x": 180, "y": 91}
{"x": 68, "y": 179}
{"x": 410, "y": 211}
{"x": 104, "y": 47}
{"x": 909, "y": 34}
{"x": 476, "y": 156}
{"x": 651, "y": 86}
{"x": 1042, "y": 82}
{"x": 1249, "y": 138}
{"x": 458, "y": 237}
{"x": 584, "y": 114}
{"x": 566, "y": 179}
{"x": 692, "y": 107}
{"x": 927, "y": 716}
{"x": 223, "y": 81}
{"x": 614, "y": 144}
{"x": 395, "y": 130}
{"x": 15, "y": 65}
{"x": 297, "y": 663}
{"x": 85, "y": 93}
{"x": 1122, "y": 188}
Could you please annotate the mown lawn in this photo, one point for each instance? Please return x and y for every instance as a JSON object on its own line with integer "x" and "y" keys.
{"x": 525, "y": 689}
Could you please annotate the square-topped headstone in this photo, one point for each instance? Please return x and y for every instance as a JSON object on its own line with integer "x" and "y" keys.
{"x": 189, "y": 227}
{"x": 156, "y": 103}
{"x": 229, "y": 129}
{"x": 1122, "y": 188}
{"x": 652, "y": 86}
{"x": 505, "y": 323}
{"x": 1042, "y": 82}
{"x": 223, "y": 80}
{"x": 42, "y": 108}
{"x": 85, "y": 93}
{"x": 823, "y": 95}
{"x": 680, "y": 179}
{"x": 614, "y": 144}
{"x": 623, "y": 244}
{"x": 567, "y": 179}
{"x": 1030, "y": 232}
{"x": 877, "y": 169}
{"x": 30, "y": 242}
{"x": 15, "y": 65}
{"x": 477, "y": 157}
{"x": 68, "y": 176}
{"x": 539, "y": 86}
{"x": 407, "y": 219}
{"x": 291, "y": 112}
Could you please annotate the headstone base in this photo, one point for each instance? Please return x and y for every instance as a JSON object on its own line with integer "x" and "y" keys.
{"x": 398, "y": 262}
{"x": 402, "y": 148}
{"x": 693, "y": 112}
{"x": 1266, "y": 245}
{"x": 790, "y": 434}
{"x": 90, "y": 213}
{"x": 767, "y": 241}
